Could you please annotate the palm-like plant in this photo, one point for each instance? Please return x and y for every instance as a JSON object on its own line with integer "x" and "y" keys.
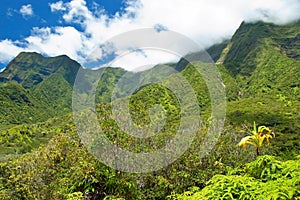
{"x": 257, "y": 137}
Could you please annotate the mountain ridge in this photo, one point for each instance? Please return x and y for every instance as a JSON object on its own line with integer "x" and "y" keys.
{"x": 246, "y": 57}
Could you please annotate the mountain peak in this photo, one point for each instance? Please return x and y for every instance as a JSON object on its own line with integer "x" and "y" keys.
{"x": 25, "y": 54}
{"x": 31, "y": 68}
{"x": 37, "y": 57}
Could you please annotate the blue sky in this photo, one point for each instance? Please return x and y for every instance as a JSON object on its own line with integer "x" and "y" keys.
{"x": 77, "y": 27}
{"x": 16, "y": 25}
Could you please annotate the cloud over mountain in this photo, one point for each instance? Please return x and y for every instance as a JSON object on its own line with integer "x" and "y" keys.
{"x": 83, "y": 28}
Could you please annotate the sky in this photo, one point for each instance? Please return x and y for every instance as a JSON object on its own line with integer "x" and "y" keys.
{"x": 79, "y": 28}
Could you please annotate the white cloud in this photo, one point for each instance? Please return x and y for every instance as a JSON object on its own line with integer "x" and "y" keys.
{"x": 77, "y": 12}
{"x": 205, "y": 22}
{"x": 8, "y": 50}
{"x": 26, "y": 10}
{"x": 59, "y": 40}
{"x": 278, "y": 11}
{"x": 58, "y": 6}
{"x": 141, "y": 60}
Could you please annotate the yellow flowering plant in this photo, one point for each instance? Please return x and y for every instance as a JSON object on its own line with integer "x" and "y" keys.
{"x": 257, "y": 137}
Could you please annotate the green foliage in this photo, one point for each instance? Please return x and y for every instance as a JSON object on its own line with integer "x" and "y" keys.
{"x": 272, "y": 112}
{"x": 19, "y": 106}
{"x": 55, "y": 92}
{"x": 266, "y": 178}
{"x": 23, "y": 138}
{"x": 75, "y": 196}
{"x": 275, "y": 74}
{"x": 107, "y": 83}
{"x": 245, "y": 45}
{"x": 62, "y": 169}
{"x": 265, "y": 168}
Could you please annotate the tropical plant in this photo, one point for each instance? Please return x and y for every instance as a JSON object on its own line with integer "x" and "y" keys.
{"x": 266, "y": 178}
{"x": 257, "y": 137}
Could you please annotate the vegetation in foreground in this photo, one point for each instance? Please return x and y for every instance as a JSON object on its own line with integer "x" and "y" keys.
{"x": 266, "y": 178}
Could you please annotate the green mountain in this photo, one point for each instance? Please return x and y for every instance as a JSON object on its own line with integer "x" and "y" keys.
{"x": 260, "y": 68}
{"x": 264, "y": 58}
{"x": 48, "y": 83}
{"x": 251, "y": 36}
{"x": 30, "y": 69}
{"x": 49, "y": 80}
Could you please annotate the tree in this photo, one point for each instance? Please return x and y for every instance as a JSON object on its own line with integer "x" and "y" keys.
{"x": 257, "y": 137}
